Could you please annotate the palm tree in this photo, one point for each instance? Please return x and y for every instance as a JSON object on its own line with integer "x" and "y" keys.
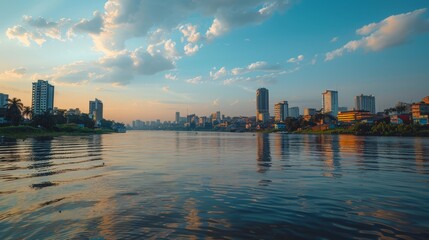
{"x": 27, "y": 112}
{"x": 14, "y": 108}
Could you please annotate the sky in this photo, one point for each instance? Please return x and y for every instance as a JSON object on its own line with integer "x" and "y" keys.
{"x": 148, "y": 59}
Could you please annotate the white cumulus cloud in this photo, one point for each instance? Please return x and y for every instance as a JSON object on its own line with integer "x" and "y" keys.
{"x": 392, "y": 31}
{"x": 11, "y": 74}
{"x": 170, "y": 76}
{"x": 190, "y": 32}
{"x": 257, "y": 66}
{"x": 195, "y": 80}
{"x": 298, "y": 59}
{"x": 191, "y": 49}
{"x": 218, "y": 74}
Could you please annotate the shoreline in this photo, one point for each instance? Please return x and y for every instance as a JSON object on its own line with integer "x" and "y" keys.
{"x": 302, "y": 132}
{"x": 23, "y": 132}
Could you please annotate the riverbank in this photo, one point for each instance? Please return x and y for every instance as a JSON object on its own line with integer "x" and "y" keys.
{"x": 22, "y": 132}
{"x": 375, "y": 130}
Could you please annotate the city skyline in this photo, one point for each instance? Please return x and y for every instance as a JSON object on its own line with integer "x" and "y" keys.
{"x": 211, "y": 58}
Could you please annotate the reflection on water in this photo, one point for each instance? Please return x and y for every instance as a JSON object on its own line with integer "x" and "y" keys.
{"x": 264, "y": 153}
{"x": 190, "y": 185}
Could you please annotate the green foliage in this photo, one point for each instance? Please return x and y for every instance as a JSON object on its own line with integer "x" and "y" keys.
{"x": 385, "y": 129}
{"x": 59, "y": 117}
{"x": 361, "y": 129}
{"x": 18, "y": 129}
{"x": 45, "y": 120}
{"x": 81, "y": 119}
{"x": 106, "y": 123}
{"x": 292, "y": 124}
{"x": 27, "y": 112}
{"x": 14, "y": 108}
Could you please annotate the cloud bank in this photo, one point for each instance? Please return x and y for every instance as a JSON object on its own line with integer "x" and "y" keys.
{"x": 390, "y": 32}
{"x": 154, "y": 22}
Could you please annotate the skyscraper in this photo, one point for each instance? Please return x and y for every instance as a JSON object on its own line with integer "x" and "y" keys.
{"x": 281, "y": 111}
{"x": 177, "y": 117}
{"x": 218, "y": 116}
{"x": 262, "y": 105}
{"x": 3, "y": 106}
{"x": 42, "y": 97}
{"x": 294, "y": 112}
{"x": 96, "y": 110}
{"x": 365, "y": 103}
{"x": 330, "y": 102}
{"x": 3, "y": 100}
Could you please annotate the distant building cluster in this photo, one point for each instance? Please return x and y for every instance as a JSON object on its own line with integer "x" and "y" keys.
{"x": 42, "y": 101}
{"x": 330, "y": 115}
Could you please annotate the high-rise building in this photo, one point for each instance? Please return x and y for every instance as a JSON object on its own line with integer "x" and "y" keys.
{"x": 330, "y": 102}
{"x": 309, "y": 111}
{"x": 177, "y": 117}
{"x": 365, "y": 103}
{"x": 262, "y": 105}
{"x": 96, "y": 110}
{"x": 281, "y": 111}
{"x": 3, "y": 106}
{"x": 218, "y": 116}
{"x": 3, "y": 100}
{"x": 294, "y": 112}
{"x": 42, "y": 97}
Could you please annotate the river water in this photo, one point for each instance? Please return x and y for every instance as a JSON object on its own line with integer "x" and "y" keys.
{"x": 198, "y": 185}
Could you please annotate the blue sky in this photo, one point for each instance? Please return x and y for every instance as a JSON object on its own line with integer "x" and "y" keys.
{"x": 148, "y": 59}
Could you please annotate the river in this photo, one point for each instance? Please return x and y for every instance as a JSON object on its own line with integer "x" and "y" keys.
{"x": 198, "y": 185}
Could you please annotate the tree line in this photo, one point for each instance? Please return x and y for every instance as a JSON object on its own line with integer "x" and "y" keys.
{"x": 16, "y": 114}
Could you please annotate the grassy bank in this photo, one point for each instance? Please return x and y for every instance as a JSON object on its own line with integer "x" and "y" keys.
{"x": 22, "y": 132}
{"x": 381, "y": 129}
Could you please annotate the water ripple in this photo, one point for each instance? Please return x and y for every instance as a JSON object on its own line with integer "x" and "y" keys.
{"x": 151, "y": 185}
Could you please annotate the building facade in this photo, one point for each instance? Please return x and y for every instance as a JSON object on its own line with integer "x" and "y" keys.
{"x": 262, "y": 105}
{"x": 309, "y": 111}
{"x": 281, "y": 111}
{"x": 177, "y": 117}
{"x": 96, "y": 110}
{"x": 3, "y": 107}
{"x": 365, "y": 103}
{"x": 330, "y": 102}
{"x": 420, "y": 113}
{"x": 3, "y": 100}
{"x": 294, "y": 112}
{"x": 42, "y": 97}
{"x": 353, "y": 116}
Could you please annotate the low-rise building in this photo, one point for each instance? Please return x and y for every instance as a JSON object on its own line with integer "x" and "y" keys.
{"x": 420, "y": 113}
{"x": 353, "y": 116}
{"x": 309, "y": 111}
{"x": 280, "y": 126}
{"x": 400, "y": 119}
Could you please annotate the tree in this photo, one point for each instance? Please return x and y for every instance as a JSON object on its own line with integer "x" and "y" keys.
{"x": 81, "y": 119}
{"x": 46, "y": 120}
{"x": 14, "y": 108}
{"x": 59, "y": 117}
{"x": 27, "y": 112}
{"x": 106, "y": 123}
